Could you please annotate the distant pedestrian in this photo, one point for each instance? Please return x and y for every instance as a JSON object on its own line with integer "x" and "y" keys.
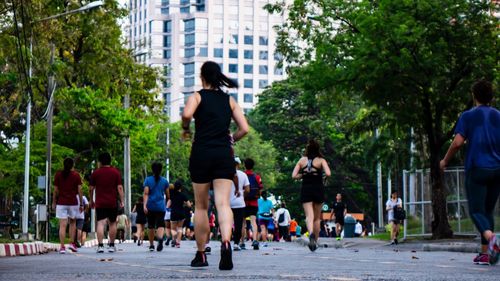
{"x": 283, "y": 218}
{"x": 251, "y": 199}
{"x": 339, "y": 211}
{"x": 122, "y": 225}
{"x": 140, "y": 219}
{"x": 293, "y": 229}
{"x": 155, "y": 188}
{"x": 167, "y": 218}
{"x": 238, "y": 188}
{"x": 310, "y": 169}
{"x": 176, "y": 204}
{"x": 265, "y": 215}
{"x": 480, "y": 127}
{"x": 67, "y": 186}
{"x": 133, "y": 225}
{"x": 391, "y": 204}
{"x": 80, "y": 221}
{"x": 106, "y": 183}
{"x": 211, "y": 160}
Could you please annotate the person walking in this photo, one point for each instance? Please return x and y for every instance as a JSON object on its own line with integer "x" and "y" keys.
{"x": 67, "y": 187}
{"x": 155, "y": 188}
{"x": 310, "y": 169}
{"x": 238, "y": 188}
{"x": 140, "y": 219}
{"x": 106, "y": 184}
{"x": 265, "y": 215}
{"x": 211, "y": 160}
{"x": 122, "y": 224}
{"x": 251, "y": 199}
{"x": 168, "y": 214}
{"x": 293, "y": 229}
{"x": 176, "y": 204}
{"x": 80, "y": 221}
{"x": 133, "y": 225}
{"x": 283, "y": 218}
{"x": 391, "y": 204}
{"x": 480, "y": 127}
{"x": 339, "y": 211}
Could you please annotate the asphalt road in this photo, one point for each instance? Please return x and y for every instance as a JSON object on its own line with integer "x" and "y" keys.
{"x": 278, "y": 261}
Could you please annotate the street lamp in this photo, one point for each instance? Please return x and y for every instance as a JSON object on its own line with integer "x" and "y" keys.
{"x": 50, "y": 111}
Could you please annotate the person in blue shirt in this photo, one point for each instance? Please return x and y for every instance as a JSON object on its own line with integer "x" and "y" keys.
{"x": 155, "y": 188}
{"x": 264, "y": 215}
{"x": 480, "y": 127}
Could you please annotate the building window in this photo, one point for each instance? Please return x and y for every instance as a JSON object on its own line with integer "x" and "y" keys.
{"x": 233, "y": 53}
{"x": 189, "y": 52}
{"x": 218, "y": 38}
{"x": 167, "y": 97}
{"x": 189, "y": 82}
{"x": 200, "y": 5}
{"x": 263, "y": 55}
{"x": 188, "y": 40}
{"x": 263, "y": 83}
{"x": 165, "y": 2}
{"x": 278, "y": 71}
{"x": 188, "y": 69}
{"x": 218, "y": 52}
{"x": 189, "y": 25}
{"x": 167, "y": 54}
{"x": 248, "y": 54}
{"x": 235, "y": 96}
{"x": 167, "y": 26}
{"x": 233, "y": 39}
{"x": 246, "y": 111}
{"x": 165, "y": 11}
{"x": 278, "y": 56}
{"x": 203, "y": 52}
{"x": 150, "y": 26}
{"x": 263, "y": 40}
{"x": 248, "y": 40}
{"x": 248, "y": 83}
{"x": 167, "y": 41}
{"x": 248, "y": 68}
{"x": 262, "y": 69}
{"x": 186, "y": 96}
{"x": 233, "y": 68}
{"x": 248, "y": 98}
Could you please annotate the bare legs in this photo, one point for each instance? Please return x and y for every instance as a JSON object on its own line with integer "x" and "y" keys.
{"x": 63, "y": 223}
{"x": 176, "y": 230}
{"x": 313, "y": 217}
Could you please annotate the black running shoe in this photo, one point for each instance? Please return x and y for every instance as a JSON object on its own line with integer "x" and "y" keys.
{"x": 151, "y": 248}
{"x": 168, "y": 241}
{"x": 312, "y": 243}
{"x": 396, "y": 241}
{"x": 159, "y": 247}
{"x": 255, "y": 244}
{"x": 200, "y": 260}
{"x": 226, "y": 256}
{"x": 208, "y": 250}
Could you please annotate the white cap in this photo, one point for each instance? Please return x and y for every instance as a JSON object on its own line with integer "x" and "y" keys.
{"x": 237, "y": 160}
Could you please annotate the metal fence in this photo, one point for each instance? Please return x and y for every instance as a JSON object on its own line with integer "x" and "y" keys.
{"x": 417, "y": 198}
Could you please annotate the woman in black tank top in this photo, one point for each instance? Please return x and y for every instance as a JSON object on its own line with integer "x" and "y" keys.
{"x": 310, "y": 169}
{"x": 211, "y": 160}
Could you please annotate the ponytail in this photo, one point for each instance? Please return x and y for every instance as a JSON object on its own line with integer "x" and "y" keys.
{"x": 68, "y": 165}
{"x": 212, "y": 74}
{"x": 157, "y": 167}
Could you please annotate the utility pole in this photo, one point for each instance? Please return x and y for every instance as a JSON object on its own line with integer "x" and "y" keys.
{"x": 379, "y": 189}
{"x": 126, "y": 163}
{"x": 48, "y": 165}
{"x": 26, "y": 190}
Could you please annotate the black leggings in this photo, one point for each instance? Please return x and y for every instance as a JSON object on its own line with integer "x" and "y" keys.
{"x": 239, "y": 216}
{"x": 483, "y": 189}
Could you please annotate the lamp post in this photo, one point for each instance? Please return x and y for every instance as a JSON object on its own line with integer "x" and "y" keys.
{"x": 50, "y": 111}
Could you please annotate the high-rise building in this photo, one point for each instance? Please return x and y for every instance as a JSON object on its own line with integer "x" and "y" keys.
{"x": 179, "y": 35}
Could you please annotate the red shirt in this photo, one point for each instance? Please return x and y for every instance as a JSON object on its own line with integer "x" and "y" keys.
{"x": 106, "y": 180}
{"x": 68, "y": 188}
{"x": 254, "y": 202}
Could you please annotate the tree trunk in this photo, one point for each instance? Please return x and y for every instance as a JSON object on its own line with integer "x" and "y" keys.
{"x": 440, "y": 226}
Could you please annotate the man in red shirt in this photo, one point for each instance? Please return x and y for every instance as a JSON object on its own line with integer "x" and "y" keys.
{"x": 67, "y": 185}
{"x": 251, "y": 199}
{"x": 106, "y": 182}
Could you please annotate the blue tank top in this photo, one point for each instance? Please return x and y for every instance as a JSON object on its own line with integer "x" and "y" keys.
{"x": 212, "y": 119}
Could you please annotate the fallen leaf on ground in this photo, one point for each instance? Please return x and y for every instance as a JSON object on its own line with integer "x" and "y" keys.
{"x": 415, "y": 258}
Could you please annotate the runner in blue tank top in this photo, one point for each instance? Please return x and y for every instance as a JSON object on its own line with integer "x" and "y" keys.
{"x": 212, "y": 159}
{"x": 480, "y": 127}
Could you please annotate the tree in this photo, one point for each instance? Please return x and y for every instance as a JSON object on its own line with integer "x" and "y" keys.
{"x": 414, "y": 60}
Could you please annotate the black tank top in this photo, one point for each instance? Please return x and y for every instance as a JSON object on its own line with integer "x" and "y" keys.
{"x": 312, "y": 175}
{"x": 212, "y": 119}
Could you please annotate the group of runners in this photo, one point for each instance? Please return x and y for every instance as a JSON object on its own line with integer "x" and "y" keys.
{"x": 216, "y": 179}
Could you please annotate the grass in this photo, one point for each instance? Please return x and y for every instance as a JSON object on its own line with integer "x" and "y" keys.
{"x": 384, "y": 236}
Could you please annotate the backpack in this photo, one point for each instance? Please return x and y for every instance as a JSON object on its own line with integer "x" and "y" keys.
{"x": 281, "y": 218}
{"x": 254, "y": 188}
{"x": 399, "y": 213}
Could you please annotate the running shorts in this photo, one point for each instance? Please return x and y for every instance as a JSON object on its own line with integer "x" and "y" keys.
{"x": 156, "y": 219}
{"x": 208, "y": 164}
{"x": 315, "y": 194}
{"x": 67, "y": 211}
{"x": 106, "y": 213}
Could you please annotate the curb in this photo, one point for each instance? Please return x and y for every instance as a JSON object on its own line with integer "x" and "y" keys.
{"x": 452, "y": 247}
{"x": 27, "y": 249}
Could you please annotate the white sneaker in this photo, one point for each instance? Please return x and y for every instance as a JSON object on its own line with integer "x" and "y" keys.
{"x": 112, "y": 249}
{"x": 236, "y": 248}
{"x": 100, "y": 249}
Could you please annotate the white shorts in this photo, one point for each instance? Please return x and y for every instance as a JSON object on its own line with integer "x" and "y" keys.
{"x": 167, "y": 216}
{"x": 65, "y": 211}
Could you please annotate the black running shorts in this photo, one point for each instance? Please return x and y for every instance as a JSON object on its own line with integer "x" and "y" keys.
{"x": 106, "y": 213}
{"x": 208, "y": 164}
{"x": 315, "y": 194}
{"x": 155, "y": 219}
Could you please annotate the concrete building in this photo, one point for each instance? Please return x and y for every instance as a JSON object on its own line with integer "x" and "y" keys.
{"x": 179, "y": 35}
